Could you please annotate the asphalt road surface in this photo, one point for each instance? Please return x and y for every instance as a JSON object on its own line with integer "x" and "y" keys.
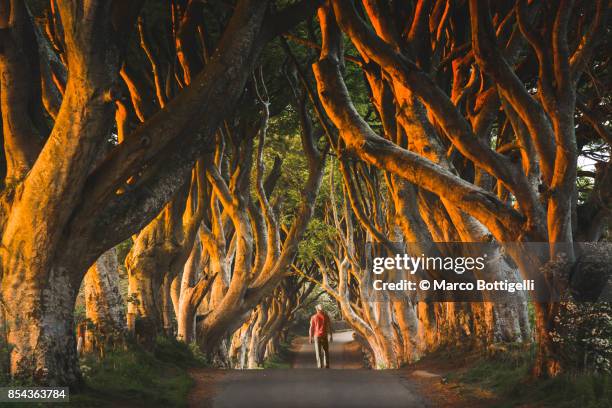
{"x": 346, "y": 384}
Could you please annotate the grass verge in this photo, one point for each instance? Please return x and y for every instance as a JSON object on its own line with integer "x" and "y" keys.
{"x": 139, "y": 378}
{"x": 507, "y": 376}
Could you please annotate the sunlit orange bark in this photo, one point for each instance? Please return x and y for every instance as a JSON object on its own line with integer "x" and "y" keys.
{"x": 420, "y": 120}
{"x": 74, "y": 200}
{"x": 104, "y": 305}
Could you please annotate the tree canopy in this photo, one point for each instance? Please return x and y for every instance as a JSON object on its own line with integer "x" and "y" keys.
{"x": 246, "y": 154}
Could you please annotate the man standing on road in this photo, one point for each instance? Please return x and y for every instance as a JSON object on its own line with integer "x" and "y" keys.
{"x": 320, "y": 328}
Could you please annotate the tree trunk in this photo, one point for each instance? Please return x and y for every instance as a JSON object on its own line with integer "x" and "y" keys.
{"x": 186, "y": 322}
{"x": 532, "y": 261}
{"x": 255, "y": 357}
{"x": 243, "y": 339}
{"x": 167, "y": 307}
{"x": 191, "y": 294}
{"x": 547, "y": 363}
{"x": 143, "y": 304}
{"x": 40, "y": 326}
{"x": 104, "y": 305}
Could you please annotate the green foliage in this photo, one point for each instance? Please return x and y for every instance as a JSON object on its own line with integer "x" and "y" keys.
{"x": 185, "y": 355}
{"x": 5, "y": 351}
{"x": 301, "y": 320}
{"x": 314, "y": 241}
{"x": 283, "y": 358}
{"x": 130, "y": 377}
{"x": 508, "y": 376}
{"x": 138, "y": 378}
{"x": 584, "y": 335}
{"x": 122, "y": 250}
{"x": 501, "y": 372}
{"x": 79, "y": 311}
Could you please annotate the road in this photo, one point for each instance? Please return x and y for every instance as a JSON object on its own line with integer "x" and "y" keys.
{"x": 346, "y": 384}
{"x": 344, "y": 353}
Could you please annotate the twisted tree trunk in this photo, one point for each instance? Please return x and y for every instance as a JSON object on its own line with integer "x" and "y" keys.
{"x": 104, "y": 305}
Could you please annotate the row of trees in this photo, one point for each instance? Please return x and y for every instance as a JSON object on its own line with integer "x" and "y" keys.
{"x": 477, "y": 105}
{"x": 91, "y": 158}
{"x": 165, "y": 126}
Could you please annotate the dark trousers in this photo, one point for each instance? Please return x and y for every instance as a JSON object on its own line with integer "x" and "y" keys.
{"x": 322, "y": 351}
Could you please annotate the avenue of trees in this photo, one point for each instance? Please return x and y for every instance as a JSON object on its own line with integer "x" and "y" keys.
{"x": 204, "y": 170}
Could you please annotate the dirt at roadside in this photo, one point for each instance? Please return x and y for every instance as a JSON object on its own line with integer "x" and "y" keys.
{"x": 205, "y": 387}
{"x": 429, "y": 376}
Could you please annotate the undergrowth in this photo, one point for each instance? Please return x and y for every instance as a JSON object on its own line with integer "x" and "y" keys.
{"x": 139, "y": 378}
{"x": 283, "y": 358}
{"x": 508, "y": 376}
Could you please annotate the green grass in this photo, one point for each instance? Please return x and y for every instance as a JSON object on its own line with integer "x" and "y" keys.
{"x": 508, "y": 377}
{"x": 139, "y": 378}
{"x": 283, "y": 358}
{"x": 276, "y": 362}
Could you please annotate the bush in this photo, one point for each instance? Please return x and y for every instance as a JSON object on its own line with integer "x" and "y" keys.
{"x": 138, "y": 378}
{"x": 509, "y": 377}
{"x": 584, "y": 334}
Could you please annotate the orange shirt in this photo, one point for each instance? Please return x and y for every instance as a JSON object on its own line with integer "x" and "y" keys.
{"x": 319, "y": 325}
